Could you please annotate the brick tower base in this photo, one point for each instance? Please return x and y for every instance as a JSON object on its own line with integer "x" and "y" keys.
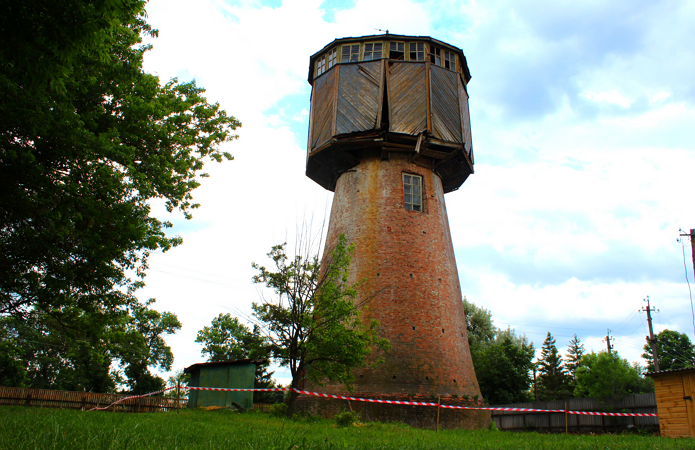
{"x": 404, "y": 261}
{"x": 417, "y": 416}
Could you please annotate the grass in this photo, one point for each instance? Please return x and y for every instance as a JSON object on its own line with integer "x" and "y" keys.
{"x": 34, "y": 428}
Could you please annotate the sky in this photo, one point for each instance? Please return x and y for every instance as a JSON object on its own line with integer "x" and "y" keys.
{"x": 582, "y": 119}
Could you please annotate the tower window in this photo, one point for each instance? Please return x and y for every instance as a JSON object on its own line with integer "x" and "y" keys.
{"x": 436, "y": 56}
{"x": 321, "y": 65}
{"x": 449, "y": 60}
{"x": 397, "y": 50}
{"x": 417, "y": 51}
{"x": 412, "y": 192}
{"x": 372, "y": 51}
{"x": 351, "y": 53}
{"x": 332, "y": 57}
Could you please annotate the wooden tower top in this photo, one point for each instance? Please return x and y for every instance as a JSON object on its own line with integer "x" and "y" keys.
{"x": 389, "y": 93}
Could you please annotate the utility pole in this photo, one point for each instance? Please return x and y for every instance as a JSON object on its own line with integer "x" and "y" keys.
{"x": 692, "y": 242}
{"x": 651, "y": 338}
{"x": 608, "y": 340}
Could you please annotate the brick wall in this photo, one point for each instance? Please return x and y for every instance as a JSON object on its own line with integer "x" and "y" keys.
{"x": 405, "y": 259}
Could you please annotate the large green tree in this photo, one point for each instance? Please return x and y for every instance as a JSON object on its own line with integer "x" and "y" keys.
{"x": 575, "y": 351}
{"x": 82, "y": 350}
{"x": 553, "y": 381}
{"x": 313, "y": 323}
{"x": 502, "y": 360}
{"x": 674, "y": 349}
{"x": 87, "y": 141}
{"x": 607, "y": 374}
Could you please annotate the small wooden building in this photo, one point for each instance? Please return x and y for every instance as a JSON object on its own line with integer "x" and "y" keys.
{"x": 675, "y": 390}
{"x": 239, "y": 374}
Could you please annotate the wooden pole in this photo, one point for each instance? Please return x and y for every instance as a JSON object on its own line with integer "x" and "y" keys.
{"x": 566, "y": 417}
{"x": 178, "y": 396}
{"x": 439, "y": 402}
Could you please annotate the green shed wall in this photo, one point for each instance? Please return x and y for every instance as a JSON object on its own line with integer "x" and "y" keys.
{"x": 239, "y": 376}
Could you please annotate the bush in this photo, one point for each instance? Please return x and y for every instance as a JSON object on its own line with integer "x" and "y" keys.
{"x": 278, "y": 409}
{"x": 347, "y": 418}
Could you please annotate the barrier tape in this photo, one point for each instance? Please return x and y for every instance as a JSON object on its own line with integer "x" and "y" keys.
{"x": 132, "y": 396}
{"x": 399, "y": 402}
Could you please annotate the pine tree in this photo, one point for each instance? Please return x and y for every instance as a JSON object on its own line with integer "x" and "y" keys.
{"x": 575, "y": 351}
{"x": 553, "y": 382}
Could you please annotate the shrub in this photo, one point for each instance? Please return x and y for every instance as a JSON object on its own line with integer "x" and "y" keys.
{"x": 347, "y": 418}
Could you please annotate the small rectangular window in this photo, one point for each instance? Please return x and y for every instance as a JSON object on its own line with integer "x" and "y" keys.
{"x": 351, "y": 53}
{"x": 412, "y": 192}
{"x": 321, "y": 65}
{"x": 332, "y": 57}
{"x": 449, "y": 60}
{"x": 417, "y": 51}
{"x": 397, "y": 50}
{"x": 372, "y": 51}
{"x": 436, "y": 56}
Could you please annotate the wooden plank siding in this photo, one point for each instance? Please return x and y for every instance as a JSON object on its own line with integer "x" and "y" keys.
{"x": 465, "y": 119}
{"x": 84, "y": 400}
{"x": 407, "y": 88}
{"x": 676, "y": 414}
{"x": 323, "y": 109}
{"x": 358, "y": 97}
{"x": 526, "y": 420}
{"x": 444, "y": 103}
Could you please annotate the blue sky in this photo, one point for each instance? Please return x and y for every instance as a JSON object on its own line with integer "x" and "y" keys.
{"x": 582, "y": 118}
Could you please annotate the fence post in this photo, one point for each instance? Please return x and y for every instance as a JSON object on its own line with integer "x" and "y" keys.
{"x": 29, "y": 399}
{"x": 178, "y": 396}
{"x": 566, "y": 417}
{"x": 439, "y": 402}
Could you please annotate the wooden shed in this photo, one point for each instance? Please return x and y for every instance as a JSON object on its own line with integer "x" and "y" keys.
{"x": 238, "y": 374}
{"x": 675, "y": 390}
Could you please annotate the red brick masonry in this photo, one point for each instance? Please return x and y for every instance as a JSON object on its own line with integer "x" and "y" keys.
{"x": 405, "y": 259}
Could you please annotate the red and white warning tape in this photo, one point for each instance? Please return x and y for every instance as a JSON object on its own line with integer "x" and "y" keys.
{"x": 398, "y": 402}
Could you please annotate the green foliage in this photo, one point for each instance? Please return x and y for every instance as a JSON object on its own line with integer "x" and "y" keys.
{"x": 74, "y": 349}
{"x": 607, "y": 375}
{"x": 87, "y": 142}
{"x": 278, "y": 409}
{"x": 347, "y": 419}
{"x": 553, "y": 382}
{"x": 675, "y": 351}
{"x": 575, "y": 351}
{"x": 228, "y": 339}
{"x": 313, "y": 325}
{"x": 502, "y": 360}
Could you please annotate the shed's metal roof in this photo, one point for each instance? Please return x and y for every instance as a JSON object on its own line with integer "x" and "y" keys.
{"x": 670, "y": 371}
{"x": 232, "y": 362}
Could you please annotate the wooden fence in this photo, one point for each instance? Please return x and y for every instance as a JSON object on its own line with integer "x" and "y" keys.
{"x": 86, "y": 400}
{"x": 556, "y": 422}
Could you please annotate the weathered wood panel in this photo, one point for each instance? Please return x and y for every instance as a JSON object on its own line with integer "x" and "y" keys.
{"x": 689, "y": 391}
{"x": 84, "y": 400}
{"x": 638, "y": 403}
{"x": 323, "y": 108}
{"x": 465, "y": 119}
{"x": 407, "y": 97}
{"x": 444, "y": 105}
{"x": 358, "y": 97}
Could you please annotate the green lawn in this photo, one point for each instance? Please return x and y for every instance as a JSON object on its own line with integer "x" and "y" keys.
{"x": 33, "y": 428}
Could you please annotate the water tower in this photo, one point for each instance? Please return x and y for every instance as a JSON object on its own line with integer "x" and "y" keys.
{"x": 390, "y": 134}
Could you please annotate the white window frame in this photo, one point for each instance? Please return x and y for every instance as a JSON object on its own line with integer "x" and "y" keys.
{"x": 413, "y": 197}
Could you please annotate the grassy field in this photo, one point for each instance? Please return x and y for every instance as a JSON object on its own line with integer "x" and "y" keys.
{"x": 33, "y": 428}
